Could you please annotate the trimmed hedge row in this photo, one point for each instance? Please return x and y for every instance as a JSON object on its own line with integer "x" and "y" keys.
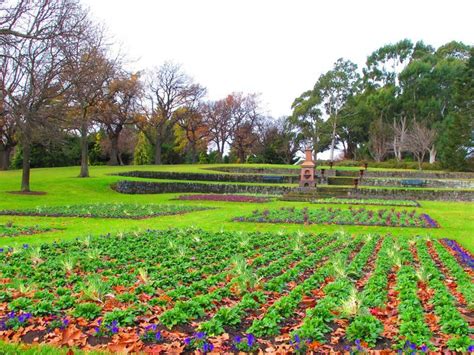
{"x": 169, "y": 175}
{"x": 353, "y": 173}
{"x": 144, "y": 187}
{"x": 436, "y": 183}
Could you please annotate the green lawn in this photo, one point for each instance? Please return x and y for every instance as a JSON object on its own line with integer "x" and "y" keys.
{"x": 62, "y": 187}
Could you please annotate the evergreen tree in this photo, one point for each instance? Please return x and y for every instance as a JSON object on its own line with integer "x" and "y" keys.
{"x": 143, "y": 154}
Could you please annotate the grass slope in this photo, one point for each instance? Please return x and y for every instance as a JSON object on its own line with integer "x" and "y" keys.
{"x": 63, "y": 187}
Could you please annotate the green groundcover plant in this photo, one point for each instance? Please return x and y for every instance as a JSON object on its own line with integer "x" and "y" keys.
{"x": 355, "y": 201}
{"x": 192, "y": 288}
{"x": 351, "y": 216}
{"x": 106, "y": 210}
{"x": 10, "y": 230}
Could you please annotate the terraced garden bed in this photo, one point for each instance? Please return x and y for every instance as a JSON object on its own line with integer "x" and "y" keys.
{"x": 184, "y": 290}
{"x": 12, "y": 230}
{"x": 354, "y": 201}
{"x": 105, "y": 210}
{"x": 225, "y": 198}
{"x": 351, "y": 216}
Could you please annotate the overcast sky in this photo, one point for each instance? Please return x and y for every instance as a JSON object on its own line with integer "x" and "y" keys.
{"x": 276, "y": 48}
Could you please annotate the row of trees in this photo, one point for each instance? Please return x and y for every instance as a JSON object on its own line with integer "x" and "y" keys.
{"x": 409, "y": 99}
{"x": 59, "y": 80}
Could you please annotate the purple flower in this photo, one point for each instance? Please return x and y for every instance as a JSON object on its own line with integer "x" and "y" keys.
{"x": 1, "y": 250}
{"x": 413, "y": 346}
{"x": 200, "y": 335}
{"x": 187, "y": 341}
{"x": 97, "y": 329}
{"x": 424, "y": 348}
{"x": 65, "y": 323}
{"x": 470, "y": 348}
{"x": 207, "y": 347}
{"x": 158, "y": 336}
{"x": 113, "y": 327}
{"x": 238, "y": 339}
{"x": 151, "y": 327}
{"x": 250, "y": 340}
{"x": 25, "y": 246}
{"x": 24, "y": 317}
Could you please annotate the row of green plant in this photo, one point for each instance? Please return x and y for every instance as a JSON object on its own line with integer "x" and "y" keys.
{"x": 105, "y": 210}
{"x": 286, "y": 306}
{"x": 11, "y": 230}
{"x": 450, "y": 319}
{"x": 351, "y": 216}
{"x": 413, "y": 329}
{"x": 338, "y": 297}
{"x": 216, "y": 283}
{"x": 464, "y": 282}
{"x": 242, "y": 278}
{"x": 356, "y": 201}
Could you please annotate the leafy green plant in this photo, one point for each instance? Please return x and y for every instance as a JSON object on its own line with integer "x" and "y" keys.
{"x": 88, "y": 311}
{"x": 366, "y": 328}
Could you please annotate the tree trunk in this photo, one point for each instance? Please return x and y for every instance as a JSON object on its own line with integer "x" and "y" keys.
{"x": 242, "y": 157}
{"x": 333, "y": 140}
{"x": 194, "y": 157}
{"x": 84, "y": 151}
{"x": 420, "y": 157}
{"x": 25, "y": 178}
{"x": 158, "y": 150}
{"x": 113, "y": 150}
{"x": 433, "y": 153}
{"x": 5, "y": 158}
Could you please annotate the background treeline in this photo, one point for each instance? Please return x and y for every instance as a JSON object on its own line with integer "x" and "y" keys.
{"x": 67, "y": 99}
{"x": 409, "y": 102}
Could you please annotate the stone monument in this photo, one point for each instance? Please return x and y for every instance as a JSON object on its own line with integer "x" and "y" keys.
{"x": 307, "y": 178}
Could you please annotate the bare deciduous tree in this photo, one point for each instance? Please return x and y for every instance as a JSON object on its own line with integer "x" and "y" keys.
{"x": 167, "y": 89}
{"x": 118, "y": 109}
{"x": 245, "y": 120}
{"x": 400, "y": 129}
{"x": 218, "y": 119}
{"x": 90, "y": 72}
{"x": 379, "y": 139}
{"x": 38, "y": 20}
{"x": 419, "y": 141}
{"x": 233, "y": 121}
{"x": 33, "y": 63}
{"x": 191, "y": 121}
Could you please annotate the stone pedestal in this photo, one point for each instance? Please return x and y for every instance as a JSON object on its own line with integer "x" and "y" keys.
{"x": 307, "y": 175}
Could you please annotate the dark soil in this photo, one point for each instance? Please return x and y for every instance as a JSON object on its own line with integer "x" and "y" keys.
{"x": 33, "y": 335}
{"x": 93, "y": 340}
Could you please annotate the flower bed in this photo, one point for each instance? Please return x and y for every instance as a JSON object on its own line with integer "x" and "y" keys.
{"x": 354, "y": 201}
{"x": 11, "y": 230}
{"x": 179, "y": 291}
{"x": 461, "y": 254}
{"x": 351, "y": 216}
{"x": 225, "y": 198}
{"x": 105, "y": 210}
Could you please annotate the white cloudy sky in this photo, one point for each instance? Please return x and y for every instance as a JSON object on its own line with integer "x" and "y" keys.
{"x": 276, "y": 48}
